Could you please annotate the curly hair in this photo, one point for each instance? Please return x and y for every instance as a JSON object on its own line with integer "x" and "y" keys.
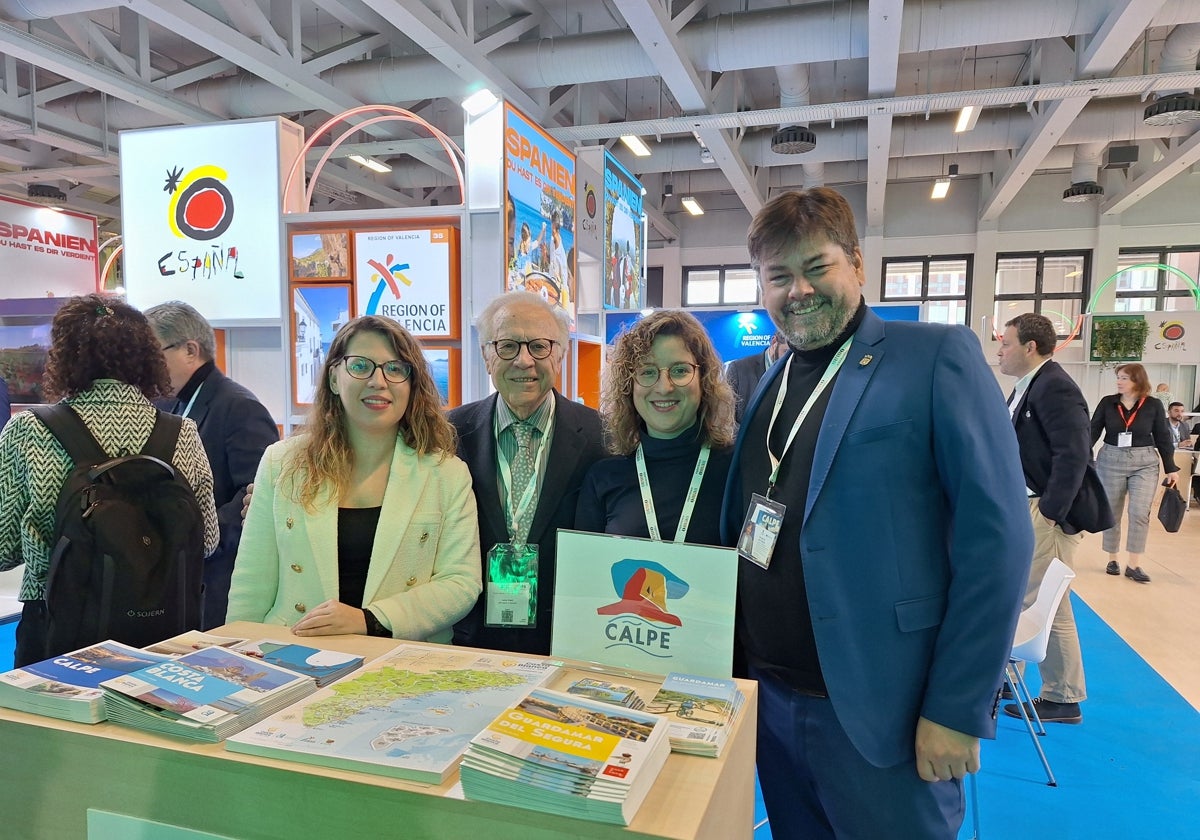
{"x": 326, "y": 455}
{"x": 622, "y": 423}
{"x": 102, "y": 337}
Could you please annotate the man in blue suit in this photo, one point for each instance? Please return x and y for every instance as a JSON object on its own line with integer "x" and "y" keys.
{"x": 879, "y": 623}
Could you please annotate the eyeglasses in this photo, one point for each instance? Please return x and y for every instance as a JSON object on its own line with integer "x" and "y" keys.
{"x": 394, "y": 371}
{"x": 679, "y": 374}
{"x": 508, "y": 349}
{"x": 173, "y": 346}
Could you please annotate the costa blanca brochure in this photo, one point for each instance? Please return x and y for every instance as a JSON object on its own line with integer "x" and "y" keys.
{"x": 408, "y": 714}
{"x": 701, "y": 711}
{"x": 567, "y": 754}
{"x": 205, "y": 695}
{"x": 68, "y": 686}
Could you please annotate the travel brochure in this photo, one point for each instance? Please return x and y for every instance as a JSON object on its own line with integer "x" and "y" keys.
{"x": 701, "y": 711}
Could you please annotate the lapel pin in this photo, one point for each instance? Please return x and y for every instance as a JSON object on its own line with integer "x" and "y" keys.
{"x": 290, "y": 522}
{"x": 865, "y": 360}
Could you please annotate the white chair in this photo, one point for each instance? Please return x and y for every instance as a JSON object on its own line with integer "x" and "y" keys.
{"x": 1029, "y": 645}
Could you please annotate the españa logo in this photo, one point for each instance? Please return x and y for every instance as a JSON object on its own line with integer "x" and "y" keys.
{"x": 387, "y": 274}
{"x": 1172, "y": 331}
{"x": 201, "y": 206}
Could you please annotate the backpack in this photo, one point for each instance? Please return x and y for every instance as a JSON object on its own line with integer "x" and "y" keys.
{"x": 127, "y": 561}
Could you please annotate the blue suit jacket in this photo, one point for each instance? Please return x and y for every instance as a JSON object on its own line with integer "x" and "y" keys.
{"x": 916, "y": 538}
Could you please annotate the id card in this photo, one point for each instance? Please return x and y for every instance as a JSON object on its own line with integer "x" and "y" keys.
{"x": 511, "y": 585}
{"x": 1124, "y": 439}
{"x": 760, "y": 530}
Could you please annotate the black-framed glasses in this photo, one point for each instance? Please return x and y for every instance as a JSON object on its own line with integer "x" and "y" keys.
{"x": 173, "y": 346}
{"x": 509, "y": 348}
{"x": 394, "y": 370}
{"x": 678, "y": 374}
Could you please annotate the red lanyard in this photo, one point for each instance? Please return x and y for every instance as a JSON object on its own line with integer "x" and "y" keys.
{"x": 1121, "y": 411}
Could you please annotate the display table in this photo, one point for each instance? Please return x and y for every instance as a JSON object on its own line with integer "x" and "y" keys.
{"x": 54, "y": 771}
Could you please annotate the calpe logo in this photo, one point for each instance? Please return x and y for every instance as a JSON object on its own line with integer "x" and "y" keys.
{"x": 201, "y": 209}
{"x": 387, "y": 273}
{"x": 644, "y": 622}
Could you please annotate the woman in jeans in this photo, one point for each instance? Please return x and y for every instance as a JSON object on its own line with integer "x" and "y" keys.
{"x": 1134, "y": 425}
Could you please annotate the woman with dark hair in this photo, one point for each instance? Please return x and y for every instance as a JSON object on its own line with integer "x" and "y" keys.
{"x": 365, "y": 522}
{"x": 668, "y": 415}
{"x": 106, "y": 364}
{"x": 1136, "y": 437}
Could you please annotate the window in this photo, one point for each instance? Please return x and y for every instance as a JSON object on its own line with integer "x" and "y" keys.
{"x": 1052, "y": 283}
{"x": 1142, "y": 286}
{"x": 942, "y": 285}
{"x": 720, "y": 286}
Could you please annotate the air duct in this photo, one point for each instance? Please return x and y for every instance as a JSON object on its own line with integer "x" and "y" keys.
{"x": 793, "y": 92}
{"x": 1085, "y": 172}
{"x": 1179, "y": 54}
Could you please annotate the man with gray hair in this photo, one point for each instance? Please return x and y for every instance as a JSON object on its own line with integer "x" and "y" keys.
{"x": 528, "y": 448}
{"x": 235, "y": 429}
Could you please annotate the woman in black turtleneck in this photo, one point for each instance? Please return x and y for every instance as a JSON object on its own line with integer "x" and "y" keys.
{"x": 666, "y": 395}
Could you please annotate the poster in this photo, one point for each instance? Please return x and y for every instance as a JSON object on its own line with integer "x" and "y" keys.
{"x": 407, "y": 276}
{"x": 539, "y": 217}
{"x": 45, "y": 252}
{"x": 319, "y": 310}
{"x": 624, "y": 238}
{"x": 651, "y": 606}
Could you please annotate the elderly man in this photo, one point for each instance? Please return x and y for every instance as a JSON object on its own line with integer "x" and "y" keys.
{"x": 1066, "y": 497}
{"x": 235, "y": 429}
{"x": 528, "y": 448}
{"x": 743, "y": 374}
{"x": 877, "y": 624}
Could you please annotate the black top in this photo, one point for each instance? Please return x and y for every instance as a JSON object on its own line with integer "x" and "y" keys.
{"x": 774, "y": 624}
{"x": 611, "y": 503}
{"x": 1149, "y": 426}
{"x": 192, "y": 385}
{"x": 356, "y": 538}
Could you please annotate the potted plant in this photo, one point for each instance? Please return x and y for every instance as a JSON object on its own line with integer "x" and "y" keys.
{"x": 1118, "y": 338}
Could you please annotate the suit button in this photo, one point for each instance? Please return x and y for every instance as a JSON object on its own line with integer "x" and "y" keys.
{"x": 412, "y": 581}
{"x": 424, "y": 536}
{"x": 290, "y": 522}
{"x": 297, "y": 568}
{"x": 300, "y": 608}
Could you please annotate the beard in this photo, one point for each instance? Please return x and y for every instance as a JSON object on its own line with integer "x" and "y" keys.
{"x": 818, "y": 328}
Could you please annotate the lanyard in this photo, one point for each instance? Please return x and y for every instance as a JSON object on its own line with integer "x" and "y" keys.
{"x": 192, "y": 401}
{"x": 517, "y": 509}
{"x": 830, "y": 371}
{"x": 689, "y": 503}
{"x": 1128, "y": 421}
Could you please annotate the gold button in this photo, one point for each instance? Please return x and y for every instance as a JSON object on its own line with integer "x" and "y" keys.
{"x": 296, "y": 567}
{"x": 412, "y": 581}
{"x": 424, "y": 536}
{"x": 300, "y": 608}
{"x": 290, "y": 522}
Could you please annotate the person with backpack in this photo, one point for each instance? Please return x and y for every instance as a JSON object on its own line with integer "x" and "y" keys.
{"x": 132, "y": 550}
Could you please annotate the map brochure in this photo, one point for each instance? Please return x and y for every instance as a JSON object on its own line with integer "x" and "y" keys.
{"x": 700, "y": 709}
{"x": 567, "y": 754}
{"x": 324, "y": 666}
{"x": 191, "y": 640}
{"x": 206, "y": 695}
{"x": 408, "y": 714}
{"x": 68, "y": 686}
{"x": 607, "y": 692}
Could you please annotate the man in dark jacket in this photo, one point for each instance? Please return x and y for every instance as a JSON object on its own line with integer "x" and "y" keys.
{"x": 1066, "y": 497}
{"x": 743, "y": 374}
{"x": 235, "y": 429}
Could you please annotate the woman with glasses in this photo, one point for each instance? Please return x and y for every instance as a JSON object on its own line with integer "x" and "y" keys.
{"x": 364, "y": 522}
{"x": 668, "y": 414}
{"x": 1136, "y": 437}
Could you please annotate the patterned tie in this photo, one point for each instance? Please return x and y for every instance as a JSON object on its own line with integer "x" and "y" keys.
{"x": 522, "y": 474}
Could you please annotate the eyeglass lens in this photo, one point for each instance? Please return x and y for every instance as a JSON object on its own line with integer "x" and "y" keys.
{"x": 678, "y": 374}
{"x": 508, "y": 349}
{"x": 360, "y": 367}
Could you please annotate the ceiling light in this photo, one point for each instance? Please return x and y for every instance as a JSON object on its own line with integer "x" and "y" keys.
{"x": 1172, "y": 110}
{"x": 941, "y": 188}
{"x": 1083, "y": 191}
{"x": 371, "y": 163}
{"x": 691, "y": 205}
{"x": 668, "y": 189}
{"x": 478, "y": 102}
{"x": 793, "y": 140}
{"x": 636, "y": 145}
{"x": 967, "y": 118}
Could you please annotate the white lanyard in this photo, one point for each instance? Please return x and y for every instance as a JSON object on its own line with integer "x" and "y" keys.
{"x": 830, "y": 371}
{"x": 689, "y": 503}
{"x": 517, "y": 511}
{"x": 192, "y": 401}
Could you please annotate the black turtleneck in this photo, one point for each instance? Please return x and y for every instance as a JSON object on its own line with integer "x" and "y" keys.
{"x": 774, "y": 625}
{"x": 193, "y": 385}
{"x": 610, "y": 502}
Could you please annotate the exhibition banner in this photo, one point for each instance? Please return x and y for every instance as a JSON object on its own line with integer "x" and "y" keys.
{"x": 539, "y": 218}
{"x": 407, "y": 276}
{"x": 1173, "y": 338}
{"x": 624, "y": 238}
{"x": 46, "y": 252}
{"x": 643, "y": 604}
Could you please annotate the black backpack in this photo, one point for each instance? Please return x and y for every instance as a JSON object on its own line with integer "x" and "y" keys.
{"x": 128, "y": 556}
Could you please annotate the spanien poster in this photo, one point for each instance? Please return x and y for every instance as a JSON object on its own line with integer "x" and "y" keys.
{"x": 645, "y": 605}
{"x": 624, "y": 238}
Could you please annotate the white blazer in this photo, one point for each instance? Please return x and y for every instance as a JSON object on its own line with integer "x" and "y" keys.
{"x": 424, "y": 572}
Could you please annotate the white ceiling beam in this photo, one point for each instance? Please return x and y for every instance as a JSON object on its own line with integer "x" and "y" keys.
{"x": 92, "y": 41}
{"x": 360, "y": 46}
{"x": 508, "y": 31}
{"x": 883, "y": 66}
{"x": 1176, "y": 161}
{"x": 1124, "y": 25}
{"x": 661, "y": 223}
{"x": 250, "y": 20}
{"x": 357, "y": 17}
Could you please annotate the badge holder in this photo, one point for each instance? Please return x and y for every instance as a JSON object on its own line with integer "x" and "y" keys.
{"x": 511, "y": 586}
{"x": 760, "y": 530}
{"x": 1124, "y": 439}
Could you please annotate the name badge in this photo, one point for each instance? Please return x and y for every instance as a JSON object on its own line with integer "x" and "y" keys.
{"x": 511, "y": 585}
{"x": 1124, "y": 439}
{"x": 760, "y": 530}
